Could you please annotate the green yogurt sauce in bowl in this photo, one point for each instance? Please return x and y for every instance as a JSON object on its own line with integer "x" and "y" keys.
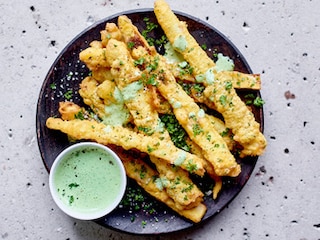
{"x": 87, "y": 180}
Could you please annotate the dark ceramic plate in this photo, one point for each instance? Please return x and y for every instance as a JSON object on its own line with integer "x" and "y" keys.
{"x": 136, "y": 215}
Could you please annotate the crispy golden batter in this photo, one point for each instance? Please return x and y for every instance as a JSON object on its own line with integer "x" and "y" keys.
{"x": 111, "y": 31}
{"x": 134, "y": 167}
{"x": 220, "y": 90}
{"x": 94, "y": 58}
{"x": 137, "y": 98}
{"x": 105, "y": 100}
{"x": 176, "y": 31}
{"x": 178, "y": 185}
{"x": 128, "y": 139}
{"x": 215, "y": 150}
{"x": 68, "y": 110}
{"x": 237, "y": 117}
{"x": 197, "y": 125}
{"x": 242, "y": 80}
{"x": 101, "y": 74}
{"x": 88, "y": 92}
{"x": 238, "y": 79}
{"x": 132, "y": 35}
{"x": 184, "y": 43}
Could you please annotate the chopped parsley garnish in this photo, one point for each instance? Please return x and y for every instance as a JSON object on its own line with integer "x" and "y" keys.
{"x": 225, "y": 132}
{"x": 204, "y": 46}
{"x": 139, "y": 62}
{"x": 152, "y": 80}
{"x": 79, "y": 115}
{"x": 71, "y": 199}
{"x": 144, "y": 223}
{"x": 150, "y": 26}
{"x": 150, "y": 149}
{"x": 223, "y": 100}
{"x": 191, "y": 167}
{"x": 153, "y": 65}
{"x": 162, "y": 40}
{"x": 143, "y": 172}
{"x": 198, "y": 88}
{"x": 148, "y": 131}
{"x": 130, "y": 45}
{"x": 187, "y": 189}
{"x": 73, "y": 185}
{"x": 53, "y": 86}
{"x": 197, "y": 130}
{"x": 185, "y": 68}
{"x": 228, "y": 85}
{"x": 176, "y": 132}
{"x": 251, "y": 99}
{"x": 258, "y": 102}
{"x": 68, "y": 95}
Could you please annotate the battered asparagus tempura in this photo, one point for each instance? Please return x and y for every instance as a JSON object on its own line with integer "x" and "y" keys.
{"x": 137, "y": 98}
{"x": 180, "y": 38}
{"x": 149, "y": 182}
{"x": 128, "y": 139}
{"x": 197, "y": 125}
{"x": 237, "y": 117}
{"x": 220, "y": 90}
{"x": 176, "y": 181}
{"x": 199, "y": 128}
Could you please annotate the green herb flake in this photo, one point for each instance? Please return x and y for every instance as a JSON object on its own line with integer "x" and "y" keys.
{"x": 130, "y": 45}
{"x": 251, "y": 99}
{"x": 152, "y": 80}
{"x": 176, "y": 131}
{"x": 204, "y": 46}
{"x": 148, "y": 131}
{"x": 228, "y": 85}
{"x": 53, "y": 86}
{"x": 71, "y": 199}
{"x": 79, "y": 115}
{"x": 143, "y": 172}
{"x": 223, "y": 100}
{"x": 197, "y": 130}
{"x": 139, "y": 62}
{"x": 162, "y": 40}
{"x": 73, "y": 185}
{"x": 150, "y": 26}
{"x": 143, "y": 223}
{"x": 199, "y": 88}
{"x": 258, "y": 102}
{"x": 150, "y": 149}
{"x": 191, "y": 167}
{"x": 68, "y": 95}
{"x": 153, "y": 65}
{"x": 187, "y": 189}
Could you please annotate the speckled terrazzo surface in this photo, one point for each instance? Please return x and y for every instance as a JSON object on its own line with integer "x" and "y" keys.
{"x": 279, "y": 39}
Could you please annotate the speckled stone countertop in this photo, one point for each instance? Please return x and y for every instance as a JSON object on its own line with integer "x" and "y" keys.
{"x": 279, "y": 39}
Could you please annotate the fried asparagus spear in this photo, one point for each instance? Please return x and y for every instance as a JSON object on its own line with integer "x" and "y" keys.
{"x": 220, "y": 90}
{"x": 185, "y": 109}
{"x": 197, "y": 124}
{"x": 128, "y": 139}
{"x": 237, "y": 117}
{"x": 149, "y": 181}
{"x": 177, "y": 183}
{"x": 137, "y": 98}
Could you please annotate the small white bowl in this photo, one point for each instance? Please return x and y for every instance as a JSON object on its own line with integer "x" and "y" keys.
{"x": 87, "y": 180}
